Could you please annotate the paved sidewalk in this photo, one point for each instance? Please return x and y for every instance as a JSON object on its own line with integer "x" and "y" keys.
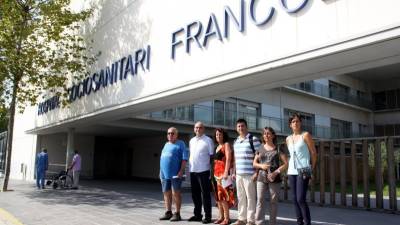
{"x": 137, "y": 203}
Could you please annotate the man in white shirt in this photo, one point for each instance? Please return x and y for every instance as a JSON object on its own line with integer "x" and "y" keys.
{"x": 201, "y": 152}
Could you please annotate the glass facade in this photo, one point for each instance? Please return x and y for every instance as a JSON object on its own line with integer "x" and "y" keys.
{"x": 225, "y": 112}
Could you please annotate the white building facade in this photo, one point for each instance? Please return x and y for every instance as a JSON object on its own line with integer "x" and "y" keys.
{"x": 165, "y": 63}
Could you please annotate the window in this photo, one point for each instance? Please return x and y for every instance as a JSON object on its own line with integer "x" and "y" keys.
{"x": 389, "y": 130}
{"x": 389, "y": 99}
{"x": 398, "y": 98}
{"x": 249, "y": 113}
{"x": 168, "y": 114}
{"x": 380, "y": 100}
{"x": 203, "y": 112}
{"x": 184, "y": 113}
{"x": 397, "y": 129}
{"x": 230, "y": 114}
{"x": 307, "y": 86}
{"x": 338, "y": 91}
{"x": 308, "y": 120}
{"x": 363, "y": 130}
{"x": 379, "y": 130}
{"x": 226, "y": 112}
{"x": 219, "y": 109}
{"x": 340, "y": 128}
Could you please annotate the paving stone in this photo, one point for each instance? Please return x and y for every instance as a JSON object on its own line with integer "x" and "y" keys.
{"x": 138, "y": 203}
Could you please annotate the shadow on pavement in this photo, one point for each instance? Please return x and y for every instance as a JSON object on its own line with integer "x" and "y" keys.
{"x": 121, "y": 194}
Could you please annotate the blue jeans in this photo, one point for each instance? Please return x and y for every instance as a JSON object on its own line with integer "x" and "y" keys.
{"x": 299, "y": 187}
{"x": 40, "y": 174}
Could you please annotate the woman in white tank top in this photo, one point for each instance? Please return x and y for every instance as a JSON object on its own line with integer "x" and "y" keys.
{"x": 302, "y": 155}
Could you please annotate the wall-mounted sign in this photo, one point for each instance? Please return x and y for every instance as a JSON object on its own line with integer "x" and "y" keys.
{"x": 198, "y": 34}
{"x": 117, "y": 71}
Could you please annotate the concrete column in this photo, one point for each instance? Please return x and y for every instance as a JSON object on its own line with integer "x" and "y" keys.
{"x": 70, "y": 147}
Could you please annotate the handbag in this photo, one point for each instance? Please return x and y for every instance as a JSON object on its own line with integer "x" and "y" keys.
{"x": 305, "y": 172}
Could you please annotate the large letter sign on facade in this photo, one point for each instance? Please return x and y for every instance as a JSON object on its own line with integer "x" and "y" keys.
{"x": 212, "y": 29}
{"x": 194, "y": 30}
{"x": 294, "y": 9}
{"x": 193, "y": 37}
{"x": 270, "y": 13}
{"x": 119, "y": 69}
{"x": 230, "y": 15}
{"x": 191, "y": 34}
{"x": 175, "y": 42}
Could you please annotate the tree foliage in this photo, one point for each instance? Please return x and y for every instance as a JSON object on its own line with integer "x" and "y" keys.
{"x": 40, "y": 47}
{"x": 40, "y": 51}
{"x": 3, "y": 118}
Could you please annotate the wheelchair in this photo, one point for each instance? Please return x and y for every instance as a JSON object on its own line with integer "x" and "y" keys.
{"x": 61, "y": 180}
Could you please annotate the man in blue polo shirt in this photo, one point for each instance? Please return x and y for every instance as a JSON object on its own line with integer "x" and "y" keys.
{"x": 245, "y": 147}
{"x": 172, "y": 167}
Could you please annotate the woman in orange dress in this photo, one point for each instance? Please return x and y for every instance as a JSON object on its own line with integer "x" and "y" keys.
{"x": 223, "y": 188}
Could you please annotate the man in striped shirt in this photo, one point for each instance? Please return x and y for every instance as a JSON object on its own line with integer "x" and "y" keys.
{"x": 245, "y": 147}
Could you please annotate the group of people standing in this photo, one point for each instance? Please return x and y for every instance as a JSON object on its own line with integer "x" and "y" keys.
{"x": 254, "y": 166}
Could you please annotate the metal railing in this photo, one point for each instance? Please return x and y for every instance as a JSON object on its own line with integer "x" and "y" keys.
{"x": 325, "y": 91}
{"x": 223, "y": 118}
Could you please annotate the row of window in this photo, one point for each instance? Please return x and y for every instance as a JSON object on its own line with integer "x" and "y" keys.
{"x": 338, "y": 128}
{"x": 226, "y": 112}
{"x": 222, "y": 113}
{"x": 389, "y": 99}
{"x": 387, "y": 130}
{"x": 336, "y": 91}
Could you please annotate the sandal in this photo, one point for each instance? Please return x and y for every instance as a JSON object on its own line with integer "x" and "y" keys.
{"x": 225, "y": 222}
{"x": 218, "y": 221}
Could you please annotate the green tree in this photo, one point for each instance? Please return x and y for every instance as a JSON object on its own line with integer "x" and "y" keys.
{"x": 40, "y": 50}
{"x": 3, "y": 118}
